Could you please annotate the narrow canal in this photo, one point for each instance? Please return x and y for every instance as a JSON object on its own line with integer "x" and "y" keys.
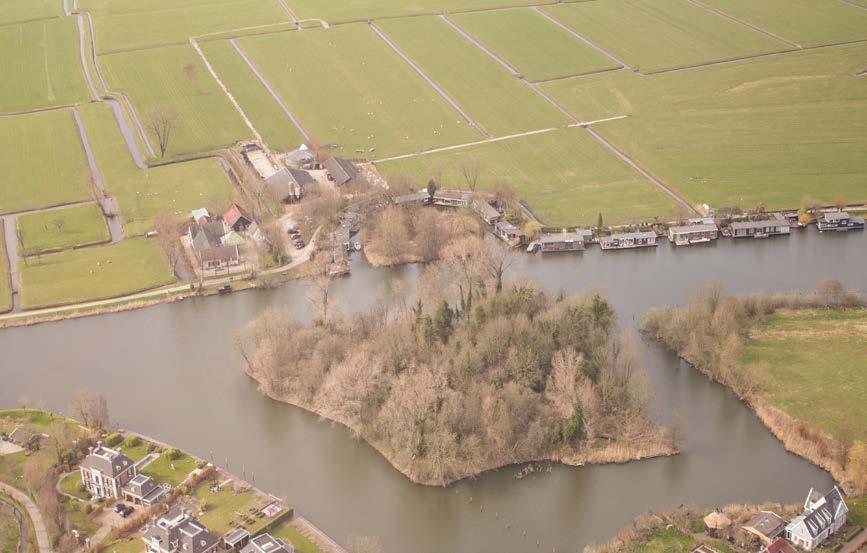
{"x": 171, "y": 371}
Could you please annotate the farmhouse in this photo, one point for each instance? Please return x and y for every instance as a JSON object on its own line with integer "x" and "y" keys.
{"x": 340, "y": 170}
{"x": 760, "y": 229}
{"x": 509, "y": 232}
{"x": 452, "y": 198}
{"x": 628, "y": 240}
{"x": 823, "y": 515}
{"x": 562, "y": 242}
{"x": 485, "y": 210}
{"x": 206, "y": 241}
{"x": 25, "y": 438}
{"x": 766, "y": 526}
{"x": 266, "y": 543}
{"x": 143, "y": 490}
{"x": 178, "y": 532}
{"x": 235, "y": 219}
{"x": 693, "y": 234}
{"x": 287, "y": 185}
{"x": 838, "y": 221}
{"x": 105, "y": 472}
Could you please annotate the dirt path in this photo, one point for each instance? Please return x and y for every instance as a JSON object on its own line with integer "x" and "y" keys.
{"x": 33, "y": 513}
{"x": 572, "y": 32}
{"x": 131, "y": 144}
{"x": 79, "y": 20}
{"x": 724, "y": 15}
{"x": 454, "y": 103}
{"x": 288, "y": 11}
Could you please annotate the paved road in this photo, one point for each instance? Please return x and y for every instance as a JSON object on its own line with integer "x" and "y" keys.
{"x": 33, "y": 513}
{"x": 22, "y": 525}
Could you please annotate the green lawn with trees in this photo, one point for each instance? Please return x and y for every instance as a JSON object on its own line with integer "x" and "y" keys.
{"x": 63, "y": 228}
{"x": 171, "y": 467}
{"x": 221, "y": 508}
{"x": 71, "y": 484}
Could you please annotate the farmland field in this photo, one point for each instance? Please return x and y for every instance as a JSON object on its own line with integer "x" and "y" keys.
{"x": 348, "y": 88}
{"x": 12, "y": 11}
{"x": 63, "y": 228}
{"x": 99, "y": 272}
{"x": 174, "y": 78}
{"x": 498, "y": 101}
{"x": 565, "y": 176}
{"x": 40, "y": 65}
{"x": 274, "y": 126}
{"x": 5, "y": 285}
{"x": 43, "y": 162}
{"x": 352, "y": 10}
{"x": 537, "y": 48}
{"x": 144, "y": 195}
{"x": 658, "y": 34}
{"x": 771, "y": 130}
{"x": 806, "y": 22}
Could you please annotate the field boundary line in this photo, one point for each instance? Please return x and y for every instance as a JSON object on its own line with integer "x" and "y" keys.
{"x": 95, "y": 176}
{"x": 37, "y": 110}
{"x": 635, "y": 165}
{"x": 288, "y": 11}
{"x": 854, "y": 5}
{"x": 506, "y": 65}
{"x": 439, "y": 89}
{"x": 718, "y": 12}
{"x": 719, "y": 62}
{"x": 55, "y": 207}
{"x": 580, "y": 37}
{"x": 271, "y": 91}
{"x": 535, "y": 88}
{"x": 577, "y": 75}
{"x": 79, "y": 21}
{"x": 26, "y": 21}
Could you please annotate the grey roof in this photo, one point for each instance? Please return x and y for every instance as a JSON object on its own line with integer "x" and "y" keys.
{"x": 631, "y": 236}
{"x": 505, "y": 226}
{"x": 833, "y": 216}
{"x": 584, "y": 232}
{"x": 342, "y": 170}
{"x": 266, "y": 543}
{"x": 207, "y": 234}
{"x": 487, "y": 209}
{"x": 145, "y": 488}
{"x": 178, "y": 531}
{"x": 22, "y": 436}
{"x": 107, "y": 461}
{"x": 235, "y": 536}
{"x": 562, "y": 237}
{"x": 219, "y": 253}
{"x": 767, "y": 523}
{"x": 452, "y": 195}
{"x": 288, "y": 182}
{"x": 685, "y": 229}
{"x": 823, "y": 515}
{"x": 419, "y": 196}
{"x": 760, "y": 224}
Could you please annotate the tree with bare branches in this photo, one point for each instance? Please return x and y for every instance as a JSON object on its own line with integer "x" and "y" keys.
{"x": 319, "y": 288}
{"x": 162, "y": 122}
{"x": 91, "y": 408}
{"x": 471, "y": 169}
{"x": 169, "y": 238}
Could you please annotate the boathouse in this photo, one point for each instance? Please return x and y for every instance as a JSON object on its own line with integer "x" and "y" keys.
{"x": 562, "y": 242}
{"x": 693, "y": 234}
{"x": 760, "y": 229}
{"x": 628, "y": 240}
{"x": 838, "y": 221}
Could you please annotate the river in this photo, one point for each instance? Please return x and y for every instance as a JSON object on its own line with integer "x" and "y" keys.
{"x": 171, "y": 371}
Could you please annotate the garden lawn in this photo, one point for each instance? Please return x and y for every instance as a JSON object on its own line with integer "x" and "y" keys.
{"x": 64, "y": 228}
{"x": 498, "y": 101}
{"x": 5, "y": 284}
{"x": 534, "y": 46}
{"x": 564, "y": 176}
{"x": 672, "y": 540}
{"x": 40, "y": 65}
{"x": 857, "y": 511}
{"x": 43, "y": 162}
{"x": 272, "y": 123}
{"x": 348, "y": 88}
{"x": 26, "y": 10}
{"x": 145, "y": 194}
{"x": 770, "y": 130}
{"x": 96, "y": 273}
{"x": 175, "y": 79}
{"x": 651, "y": 35}
{"x": 290, "y": 534}
{"x": 221, "y": 506}
{"x": 816, "y": 366}
{"x": 70, "y": 485}
{"x": 161, "y": 470}
{"x": 136, "y": 453}
{"x": 806, "y": 22}
{"x": 352, "y": 10}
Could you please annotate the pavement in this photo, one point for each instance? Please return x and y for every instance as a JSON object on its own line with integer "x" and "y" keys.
{"x": 33, "y": 513}
{"x": 855, "y": 544}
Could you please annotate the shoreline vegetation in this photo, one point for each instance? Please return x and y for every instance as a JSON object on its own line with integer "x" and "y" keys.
{"x": 474, "y": 376}
{"x": 712, "y": 332}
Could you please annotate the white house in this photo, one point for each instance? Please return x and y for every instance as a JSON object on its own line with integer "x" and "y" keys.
{"x": 105, "y": 472}
{"x": 823, "y": 515}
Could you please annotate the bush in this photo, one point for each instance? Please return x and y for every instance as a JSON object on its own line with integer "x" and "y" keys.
{"x": 200, "y": 465}
{"x": 88, "y": 508}
{"x": 133, "y": 441}
{"x": 81, "y": 487}
{"x": 113, "y": 439}
{"x": 152, "y": 448}
{"x": 173, "y": 454}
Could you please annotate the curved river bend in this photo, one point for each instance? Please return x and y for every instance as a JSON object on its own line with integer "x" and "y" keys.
{"x": 171, "y": 372}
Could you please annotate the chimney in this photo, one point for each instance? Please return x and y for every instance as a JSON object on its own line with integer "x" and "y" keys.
{"x": 90, "y": 450}
{"x": 99, "y": 444}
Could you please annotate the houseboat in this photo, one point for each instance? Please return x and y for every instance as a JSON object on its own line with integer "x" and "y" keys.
{"x": 562, "y": 242}
{"x": 628, "y": 240}
{"x": 838, "y": 221}
{"x": 760, "y": 229}
{"x": 693, "y": 234}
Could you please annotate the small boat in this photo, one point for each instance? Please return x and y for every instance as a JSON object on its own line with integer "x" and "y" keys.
{"x": 534, "y": 247}
{"x": 224, "y": 289}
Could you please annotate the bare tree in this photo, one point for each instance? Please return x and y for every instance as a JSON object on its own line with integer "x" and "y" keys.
{"x": 169, "y": 238}
{"x": 91, "y": 408}
{"x": 319, "y": 291}
{"x": 162, "y": 123}
{"x": 499, "y": 260}
{"x": 471, "y": 169}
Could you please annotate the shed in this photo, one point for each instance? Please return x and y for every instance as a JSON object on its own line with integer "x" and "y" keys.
{"x": 236, "y": 540}
{"x": 287, "y": 185}
{"x": 341, "y": 170}
{"x": 235, "y": 219}
{"x": 766, "y": 526}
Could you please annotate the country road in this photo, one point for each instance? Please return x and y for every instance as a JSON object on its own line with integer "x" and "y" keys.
{"x": 33, "y": 513}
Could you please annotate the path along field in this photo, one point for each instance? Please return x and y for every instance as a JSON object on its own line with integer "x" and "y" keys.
{"x": 657, "y": 34}
{"x": 64, "y": 228}
{"x": 816, "y": 367}
{"x": 100, "y": 272}
{"x": 770, "y": 130}
{"x": 144, "y": 195}
{"x": 43, "y": 161}
{"x": 807, "y": 22}
{"x": 350, "y": 89}
{"x": 40, "y": 65}
{"x": 174, "y": 78}
{"x": 498, "y": 101}
{"x": 5, "y": 285}
{"x": 357, "y": 10}
{"x": 12, "y": 11}
{"x": 534, "y": 46}
{"x": 565, "y": 177}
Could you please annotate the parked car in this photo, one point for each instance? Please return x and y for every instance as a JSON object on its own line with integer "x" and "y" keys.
{"x": 299, "y": 244}
{"x": 126, "y": 510}
{"x": 119, "y": 507}
{"x": 293, "y": 231}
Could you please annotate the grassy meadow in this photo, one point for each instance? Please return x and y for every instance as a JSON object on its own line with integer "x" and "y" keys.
{"x": 5, "y": 285}
{"x": 174, "y": 78}
{"x": 64, "y": 228}
{"x": 144, "y": 195}
{"x": 356, "y": 10}
{"x": 290, "y": 534}
{"x": 40, "y": 65}
{"x": 100, "y": 272}
{"x": 564, "y": 176}
{"x": 651, "y": 35}
{"x": 770, "y": 130}
{"x": 165, "y": 470}
{"x": 43, "y": 161}
{"x": 365, "y": 96}
{"x": 816, "y": 368}
{"x": 12, "y": 11}
{"x": 498, "y": 101}
{"x": 534, "y": 46}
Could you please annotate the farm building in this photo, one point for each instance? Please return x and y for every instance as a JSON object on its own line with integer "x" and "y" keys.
{"x": 259, "y": 161}
{"x": 838, "y": 221}
{"x": 485, "y": 210}
{"x": 509, "y": 232}
{"x": 760, "y": 229}
{"x": 287, "y": 185}
{"x": 823, "y": 515}
{"x": 340, "y": 170}
{"x": 206, "y": 241}
{"x": 693, "y": 234}
{"x": 452, "y": 198}
{"x": 628, "y": 240}
{"x": 562, "y": 242}
{"x": 766, "y": 526}
{"x": 235, "y": 219}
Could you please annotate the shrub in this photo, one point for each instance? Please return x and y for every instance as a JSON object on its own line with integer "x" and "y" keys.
{"x": 200, "y": 465}
{"x": 81, "y": 487}
{"x": 113, "y": 439}
{"x": 132, "y": 441}
{"x": 152, "y": 448}
{"x": 173, "y": 454}
{"x": 88, "y": 508}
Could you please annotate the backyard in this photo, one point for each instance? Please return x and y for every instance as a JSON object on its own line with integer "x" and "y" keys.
{"x": 166, "y": 470}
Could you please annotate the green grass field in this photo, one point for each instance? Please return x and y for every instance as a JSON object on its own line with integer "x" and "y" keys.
{"x": 43, "y": 162}
{"x": 61, "y": 229}
{"x": 564, "y": 176}
{"x": 806, "y": 22}
{"x": 12, "y": 11}
{"x": 161, "y": 470}
{"x": 95, "y": 273}
{"x": 660, "y": 34}
{"x": 274, "y": 126}
{"x": 144, "y": 195}
{"x": 365, "y": 96}
{"x": 176, "y": 79}
{"x": 537, "y": 48}
{"x": 9, "y": 533}
{"x": 40, "y": 65}
{"x": 221, "y": 506}
{"x": 289, "y": 534}
{"x": 817, "y": 368}
{"x": 352, "y": 10}
{"x": 5, "y": 285}
{"x": 498, "y": 101}
{"x": 671, "y": 540}
{"x": 770, "y": 130}
{"x": 71, "y": 483}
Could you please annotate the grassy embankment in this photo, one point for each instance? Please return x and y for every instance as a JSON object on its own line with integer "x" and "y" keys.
{"x": 66, "y": 228}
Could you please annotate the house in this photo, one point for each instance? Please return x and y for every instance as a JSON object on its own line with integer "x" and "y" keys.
{"x": 207, "y": 244}
{"x": 340, "y": 170}
{"x": 266, "y": 543}
{"x": 236, "y": 539}
{"x": 586, "y": 235}
{"x": 25, "y": 438}
{"x": 628, "y": 240}
{"x": 838, "y": 221}
{"x": 823, "y": 515}
{"x": 562, "y": 242}
{"x": 200, "y": 215}
{"x": 760, "y": 229}
{"x": 235, "y": 219}
{"x": 179, "y": 532}
{"x": 143, "y": 490}
{"x": 421, "y": 197}
{"x": 287, "y": 185}
{"x": 693, "y": 233}
{"x": 766, "y": 526}
{"x": 509, "y": 232}
{"x": 485, "y": 210}
{"x": 452, "y": 198}
{"x": 779, "y": 545}
{"x": 105, "y": 472}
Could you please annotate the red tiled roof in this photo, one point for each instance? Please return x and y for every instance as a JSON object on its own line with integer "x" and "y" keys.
{"x": 781, "y": 546}
{"x": 233, "y": 214}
